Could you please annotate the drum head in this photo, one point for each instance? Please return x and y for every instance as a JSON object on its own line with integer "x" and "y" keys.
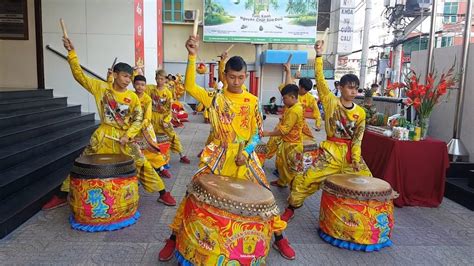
{"x": 360, "y": 187}
{"x": 103, "y": 166}
{"x": 235, "y": 195}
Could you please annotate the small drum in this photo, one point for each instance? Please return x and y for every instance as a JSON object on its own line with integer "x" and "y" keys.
{"x": 147, "y": 139}
{"x": 356, "y": 212}
{"x": 310, "y": 152}
{"x": 164, "y": 143}
{"x": 261, "y": 151}
{"x": 103, "y": 193}
{"x": 226, "y": 222}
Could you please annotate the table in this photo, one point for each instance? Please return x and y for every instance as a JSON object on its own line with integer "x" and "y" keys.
{"x": 415, "y": 169}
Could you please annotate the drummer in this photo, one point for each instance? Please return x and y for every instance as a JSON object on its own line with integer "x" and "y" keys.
{"x": 341, "y": 152}
{"x": 236, "y": 122}
{"x": 307, "y": 101}
{"x": 121, "y": 119}
{"x": 289, "y": 159}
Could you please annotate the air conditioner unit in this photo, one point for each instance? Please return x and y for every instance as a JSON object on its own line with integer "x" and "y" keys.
{"x": 189, "y": 15}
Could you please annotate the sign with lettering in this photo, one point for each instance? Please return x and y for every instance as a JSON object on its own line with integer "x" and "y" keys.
{"x": 346, "y": 27}
{"x": 262, "y": 21}
{"x": 13, "y": 20}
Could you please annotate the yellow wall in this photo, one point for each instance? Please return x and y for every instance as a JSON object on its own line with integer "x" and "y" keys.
{"x": 18, "y": 58}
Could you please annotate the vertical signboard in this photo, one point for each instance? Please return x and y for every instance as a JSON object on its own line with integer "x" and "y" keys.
{"x": 138, "y": 32}
{"x": 346, "y": 27}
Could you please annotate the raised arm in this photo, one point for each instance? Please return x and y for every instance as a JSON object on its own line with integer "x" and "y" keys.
{"x": 90, "y": 84}
{"x": 199, "y": 93}
{"x": 321, "y": 84}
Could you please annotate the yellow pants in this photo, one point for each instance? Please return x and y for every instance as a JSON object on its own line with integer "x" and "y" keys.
{"x": 162, "y": 127}
{"x": 156, "y": 159}
{"x": 275, "y": 141}
{"x": 331, "y": 161}
{"x": 272, "y": 146}
{"x": 211, "y": 158}
{"x": 99, "y": 144}
{"x": 289, "y": 162}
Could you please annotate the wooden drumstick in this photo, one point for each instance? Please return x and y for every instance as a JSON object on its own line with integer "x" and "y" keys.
{"x": 196, "y": 23}
{"x": 63, "y": 27}
{"x": 112, "y": 138}
{"x": 115, "y": 62}
{"x": 325, "y": 36}
{"x": 229, "y": 48}
{"x": 241, "y": 149}
{"x": 289, "y": 58}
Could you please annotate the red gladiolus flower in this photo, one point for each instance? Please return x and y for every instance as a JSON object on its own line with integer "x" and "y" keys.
{"x": 417, "y": 103}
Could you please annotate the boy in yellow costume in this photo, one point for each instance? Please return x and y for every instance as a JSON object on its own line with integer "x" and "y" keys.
{"x": 289, "y": 158}
{"x": 155, "y": 157}
{"x": 307, "y": 101}
{"x": 236, "y": 120}
{"x": 121, "y": 119}
{"x": 162, "y": 98}
{"x": 341, "y": 152}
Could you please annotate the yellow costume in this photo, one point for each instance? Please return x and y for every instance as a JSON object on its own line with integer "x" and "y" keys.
{"x": 120, "y": 115}
{"x": 157, "y": 159}
{"x": 344, "y": 129}
{"x": 235, "y": 119}
{"x": 161, "y": 115}
{"x": 309, "y": 102}
{"x": 289, "y": 159}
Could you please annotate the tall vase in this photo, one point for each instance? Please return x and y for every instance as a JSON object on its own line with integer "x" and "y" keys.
{"x": 424, "y": 124}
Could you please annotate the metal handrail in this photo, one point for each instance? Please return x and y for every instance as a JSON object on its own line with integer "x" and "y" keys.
{"x": 48, "y": 47}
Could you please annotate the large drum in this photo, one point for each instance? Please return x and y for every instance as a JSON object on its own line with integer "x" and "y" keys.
{"x": 261, "y": 150}
{"x": 103, "y": 193}
{"x": 226, "y": 222}
{"x": 356, "y": 212}
{"x": 310, "y": 152}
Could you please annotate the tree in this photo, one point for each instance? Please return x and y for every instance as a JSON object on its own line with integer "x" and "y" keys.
{"x": 301, "y": 7}
{"x": 260, "y": 5}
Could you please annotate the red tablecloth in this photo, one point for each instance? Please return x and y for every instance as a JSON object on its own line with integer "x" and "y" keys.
{"x": 415, "y": 169}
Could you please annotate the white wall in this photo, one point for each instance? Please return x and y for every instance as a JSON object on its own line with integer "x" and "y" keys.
{"x": 18, "y": 59}
{"x": 150, "y": 36}
{"x": 442, "y": 119}
{"x": 100, "y": 31}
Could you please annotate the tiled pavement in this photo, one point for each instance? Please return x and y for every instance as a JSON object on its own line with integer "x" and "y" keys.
{"x": 428, "y": 236}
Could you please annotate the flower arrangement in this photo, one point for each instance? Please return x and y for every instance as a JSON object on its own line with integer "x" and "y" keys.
{"x": 424, "y": 97}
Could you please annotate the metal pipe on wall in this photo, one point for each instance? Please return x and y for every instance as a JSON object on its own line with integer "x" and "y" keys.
{"x": 455, "y": 147}
{"x": 431, "y": 43}
{"x": 365, "y": 43}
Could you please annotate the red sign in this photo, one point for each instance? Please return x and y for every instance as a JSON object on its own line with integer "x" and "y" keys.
{"x": 159, "y": 33}
{"x": 138, "y": 32}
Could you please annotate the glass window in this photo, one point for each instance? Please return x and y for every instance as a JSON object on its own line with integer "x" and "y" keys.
{"x": 450, "y": 12}
{"x": 173, "y": 11}
{"x": 324, "y": 11}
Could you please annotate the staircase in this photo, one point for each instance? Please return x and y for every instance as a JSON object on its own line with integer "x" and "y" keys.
{"x": 40, "y": 136}
{"x": 460, "y": 184}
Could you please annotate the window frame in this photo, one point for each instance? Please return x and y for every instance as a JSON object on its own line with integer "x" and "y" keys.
{"x": 173, "y": 13}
